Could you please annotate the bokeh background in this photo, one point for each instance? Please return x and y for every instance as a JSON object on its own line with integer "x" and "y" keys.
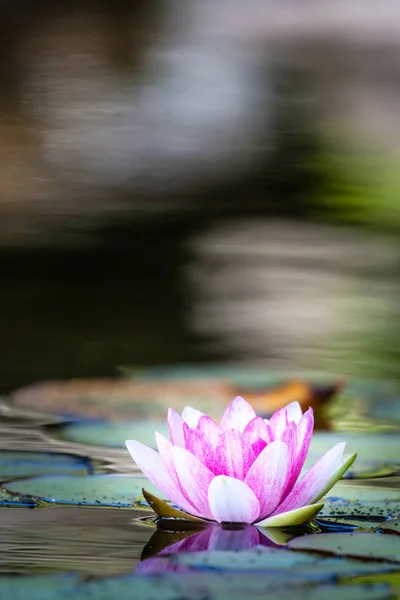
{"x": 204, "y": 181}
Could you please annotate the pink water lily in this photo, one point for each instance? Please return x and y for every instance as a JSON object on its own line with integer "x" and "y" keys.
{"x": 244, "y": 470}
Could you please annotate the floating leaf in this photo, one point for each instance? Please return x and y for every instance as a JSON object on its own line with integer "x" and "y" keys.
{"x": 302, "y": 566}
{"x": 190, "y": 585}
{"x": 392, "y": 526}
{"x": 7, "y": 499}
{"x": 162, "y": 509}
{"x": 356, "y": 544}
{"x": 216, "y": 586}
{"x": 113, "y": 435}
{"x": 26, "y": 464}
{"x": 92, "y": 490}
{"x": 359, "y": 500}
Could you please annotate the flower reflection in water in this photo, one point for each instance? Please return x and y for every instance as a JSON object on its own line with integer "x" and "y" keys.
{"x": 157, "y": 556}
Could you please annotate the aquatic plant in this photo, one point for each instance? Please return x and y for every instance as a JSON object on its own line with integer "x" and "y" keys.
{"x": 244, "y": 470}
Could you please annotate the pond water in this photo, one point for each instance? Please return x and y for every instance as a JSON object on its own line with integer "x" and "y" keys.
{"x": 73, "y": 519}
{"x": 197, "y": 200}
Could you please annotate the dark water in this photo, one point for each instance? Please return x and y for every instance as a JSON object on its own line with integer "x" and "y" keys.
{"x": 180, "y": 183}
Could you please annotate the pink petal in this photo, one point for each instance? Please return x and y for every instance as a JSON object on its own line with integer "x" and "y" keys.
{"x": 294, "y": 412}
{"x": 313, "y": 481}
{"x": 232, "y": 501}
{"x": 303, "y": 439}
{"x": 238, "y": 414}
{"x": 191, "y": 416}
{"x": 289, "y": 436}
{"x": 175, "y": 426}
{"x": 258, "y": 447}
{"x": 233, "y": 455}
{"x": 194, "y": 478}
{"x": 165, "y": 451}
{"x": 233, "y": 539}
{"x": 210, "y": 429}
{"x": 197, "y": 542}
{"x": 255, "y": 430}
{"x": 277, "y": 424}
{"x": 197, "y": 443}
{"x": 150, "y": 462}
{"x": 268, "y": 475}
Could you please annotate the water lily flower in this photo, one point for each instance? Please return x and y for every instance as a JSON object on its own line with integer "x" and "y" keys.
{"x": 244, "y": 470}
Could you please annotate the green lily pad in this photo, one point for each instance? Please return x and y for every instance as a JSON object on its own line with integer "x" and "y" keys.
{"x": 360, "y": 500}
{"x": 344, "y": 592}
{"x": 377, "y": 454}
{"x": 301, "y": 565}
{"x": 392, "y": 526}
{"x": 92, "y": 490}
{"x": 27, "y": 464}
{"x": 191, "y": 586}
{"x": 113, "y": 435}
{"x": 164, "y": 510}
{"x": 7, "y": 499}
{"x": 356, "y": 544}
{"x": 216, "y": 586}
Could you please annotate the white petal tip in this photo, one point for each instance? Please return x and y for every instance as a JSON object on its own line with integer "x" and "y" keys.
{"x": 344, "y": 466}
{"x": 231, "y": 500}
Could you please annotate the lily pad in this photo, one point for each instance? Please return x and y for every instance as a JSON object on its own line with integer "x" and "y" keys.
{"x": 194, "y": 586}
{"x": 7, "y": 499}
{"x": 162, "y": 509}
{"x": 191, "y": 586}
{"x": 26, "y": 464}
{"x": 113, "y": 435}
{"x": 392, "y": 526}
{"x": 360, "y": 501}
{"x": 376, "y": 456}
{"x": 302, "y": 566}
{"x": 356, "y": 544}
{"x": 92, "y": 490}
